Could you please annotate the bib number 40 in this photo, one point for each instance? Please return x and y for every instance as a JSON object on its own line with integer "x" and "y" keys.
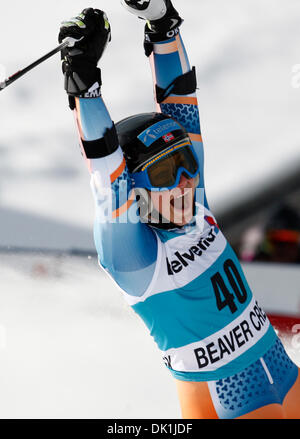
{"x": 224, "y": 297}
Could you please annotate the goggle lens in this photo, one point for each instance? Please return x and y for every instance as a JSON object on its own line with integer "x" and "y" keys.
{"x": 163, "y": 173}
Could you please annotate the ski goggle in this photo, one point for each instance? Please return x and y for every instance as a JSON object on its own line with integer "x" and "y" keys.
{"x": 163, "y": 171}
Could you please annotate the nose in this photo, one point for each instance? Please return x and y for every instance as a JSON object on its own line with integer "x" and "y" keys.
{"x": 184, "y": 182}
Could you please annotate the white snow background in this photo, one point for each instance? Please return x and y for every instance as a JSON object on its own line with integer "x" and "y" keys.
{"x": 69, "y": 346}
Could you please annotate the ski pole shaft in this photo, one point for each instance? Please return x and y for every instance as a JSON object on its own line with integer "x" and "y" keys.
{"x": 22, "y": 72}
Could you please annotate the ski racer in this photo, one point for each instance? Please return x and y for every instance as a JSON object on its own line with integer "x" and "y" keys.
{"x": 156, "y": 236}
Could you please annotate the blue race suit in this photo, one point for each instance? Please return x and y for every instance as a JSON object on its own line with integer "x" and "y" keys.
{"x": 185, "y": 283}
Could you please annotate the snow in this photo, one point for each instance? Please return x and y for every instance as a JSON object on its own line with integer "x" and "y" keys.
{"x": 69, "y": 346}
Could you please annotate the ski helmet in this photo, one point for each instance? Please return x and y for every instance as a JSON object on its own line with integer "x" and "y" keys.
{"x": 145, "y": 138}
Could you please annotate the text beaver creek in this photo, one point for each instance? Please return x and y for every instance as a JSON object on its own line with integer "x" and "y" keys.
{"x": 234, "y": 340}
{"x": 183, "y": 259}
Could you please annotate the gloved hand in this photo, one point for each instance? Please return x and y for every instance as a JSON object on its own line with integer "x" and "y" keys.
{"x": 146, "y": 9}
{"x": 162, "y": 18}
{"x": 89, "y": 33}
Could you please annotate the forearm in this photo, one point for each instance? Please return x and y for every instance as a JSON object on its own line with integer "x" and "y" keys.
{"x": 97, "y": 137}
{"x": 92, "y": 118}
{"x": 110, "y": 182}
{"x": 169, "y": 61}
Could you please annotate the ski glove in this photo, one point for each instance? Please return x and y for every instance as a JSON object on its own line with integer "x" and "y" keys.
{"x": 165, "y": 27}
{"x": 162, "y": 18}
{"x": 89, "y": 32}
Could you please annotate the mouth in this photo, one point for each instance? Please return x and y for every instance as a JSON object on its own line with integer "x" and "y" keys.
{"x": 182, "y": 201}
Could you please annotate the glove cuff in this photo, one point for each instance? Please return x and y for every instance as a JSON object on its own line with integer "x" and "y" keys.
{"x": 163, "y": 29}
{"x": 83, "y": 83}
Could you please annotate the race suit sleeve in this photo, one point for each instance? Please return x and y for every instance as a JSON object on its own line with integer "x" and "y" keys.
{"x": 169, "y": 61}
{"x": 127, "y": 248}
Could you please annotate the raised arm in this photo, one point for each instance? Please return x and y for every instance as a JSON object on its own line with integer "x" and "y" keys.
{"x": 175, "y": 90}
{"x": 174, "y": 78}
{"x": 120, "y": 237}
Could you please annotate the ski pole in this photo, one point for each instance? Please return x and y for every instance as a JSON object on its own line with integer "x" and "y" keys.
{"x": 67, "y": 42}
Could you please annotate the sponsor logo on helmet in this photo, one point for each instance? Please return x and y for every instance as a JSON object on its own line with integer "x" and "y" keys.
{"x": 158, "y": 130}
{"x": 168, "y": 137}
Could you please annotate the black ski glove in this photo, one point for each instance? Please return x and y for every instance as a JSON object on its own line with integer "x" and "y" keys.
{"x": 89, "y": 32}
{"x": 162, "y": 29}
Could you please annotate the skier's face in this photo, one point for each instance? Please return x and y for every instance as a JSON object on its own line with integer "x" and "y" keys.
{"x": 177, "y": 205}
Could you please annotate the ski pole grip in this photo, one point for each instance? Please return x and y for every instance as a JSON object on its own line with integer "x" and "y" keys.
{"x": 70, "y": 42}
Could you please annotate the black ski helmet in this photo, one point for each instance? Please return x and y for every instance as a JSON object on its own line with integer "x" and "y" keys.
{"x": 143, "y": 136}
